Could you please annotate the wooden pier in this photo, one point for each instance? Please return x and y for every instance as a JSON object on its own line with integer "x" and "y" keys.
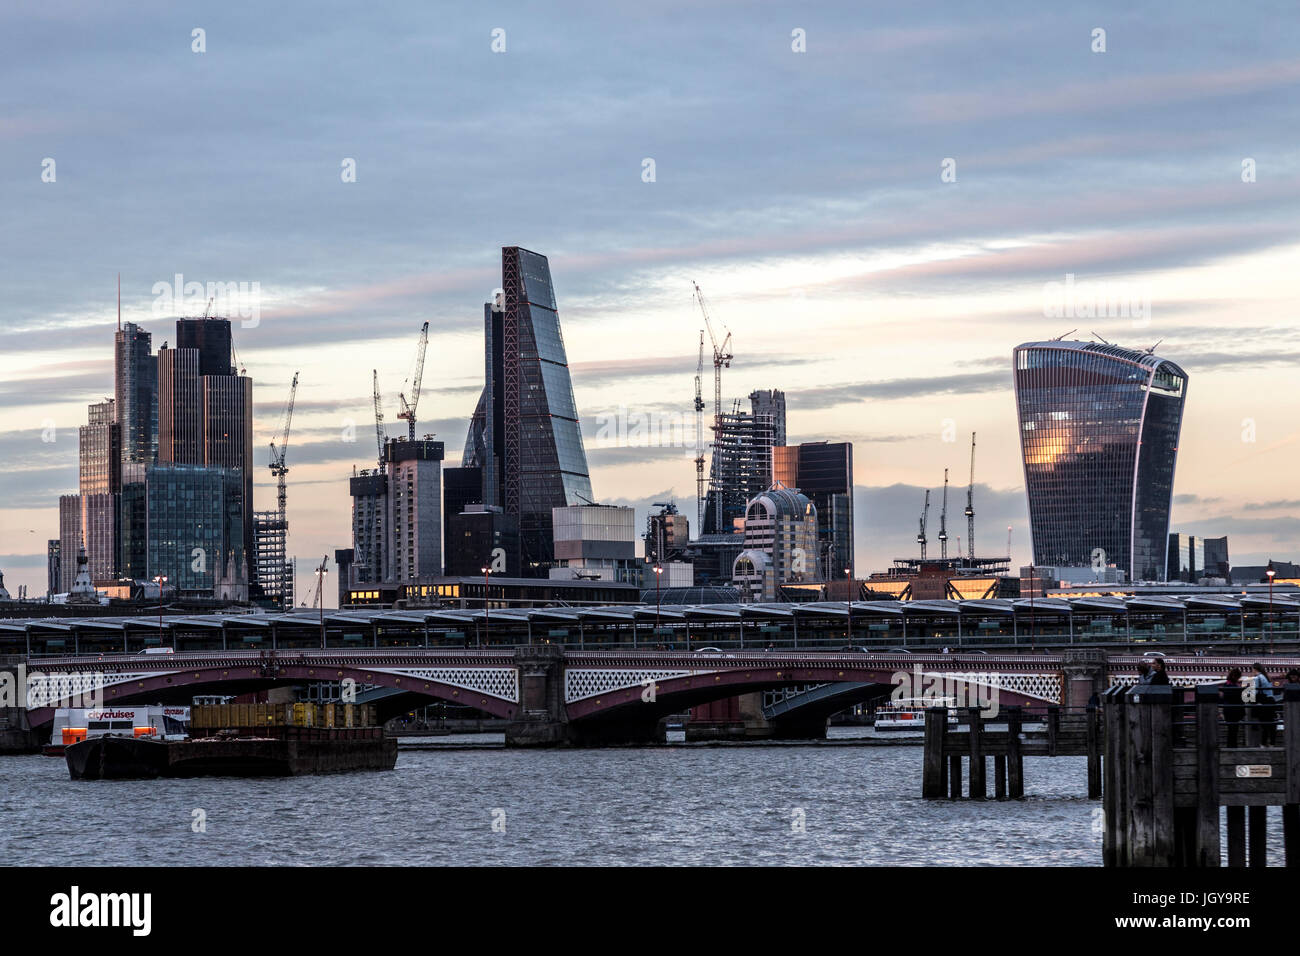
{"x": 1170, "y": 766}
{"x": 1062, "y": 733}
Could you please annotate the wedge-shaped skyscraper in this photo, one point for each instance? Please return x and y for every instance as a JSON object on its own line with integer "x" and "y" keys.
{"x": 524, "y": 435}
{"x": 1099, "y": 427}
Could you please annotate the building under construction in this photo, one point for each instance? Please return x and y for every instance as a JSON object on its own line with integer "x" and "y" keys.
{"x": 274, "y": 570}
{"x": 741, "y": 467}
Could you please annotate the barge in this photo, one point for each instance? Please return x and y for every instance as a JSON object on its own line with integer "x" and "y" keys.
{"x": 244, "y": 740}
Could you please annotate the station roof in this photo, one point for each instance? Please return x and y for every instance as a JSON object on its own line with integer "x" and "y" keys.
{"x": 459, "y": 618}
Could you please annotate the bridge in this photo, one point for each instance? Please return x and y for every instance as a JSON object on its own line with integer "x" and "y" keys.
{"x": 551, "y": 695}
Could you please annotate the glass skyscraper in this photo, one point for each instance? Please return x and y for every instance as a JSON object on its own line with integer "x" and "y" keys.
{"x": 525, "y": 435}
{"x": 1099, "y": 427}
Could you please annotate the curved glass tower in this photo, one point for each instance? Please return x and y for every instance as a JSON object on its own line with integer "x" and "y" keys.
{"x": 1099, "y": 428}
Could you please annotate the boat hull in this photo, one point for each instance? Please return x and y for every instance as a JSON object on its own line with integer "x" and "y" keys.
{"x": 126, "y": 758}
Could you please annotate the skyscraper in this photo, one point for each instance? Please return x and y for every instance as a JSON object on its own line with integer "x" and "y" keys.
{"x": 524, "y": 433}
{"x": 824, "y": 472}
{"x": 136, "y": 393}
{"x": 205, "y": 411}
{"x": 397, "y": 516}
{"x": 1099, "y": 427}
{"x": 100, "y": 482}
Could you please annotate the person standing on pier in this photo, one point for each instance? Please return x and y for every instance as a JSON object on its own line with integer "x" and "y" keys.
{"x": 1233, "y": 709}
{"x": 1264, "y": 705}
{"x": 1158, "y": 673}
{"x": 1144, "y": 672}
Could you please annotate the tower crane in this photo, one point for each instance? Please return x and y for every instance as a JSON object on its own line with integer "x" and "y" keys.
{"x": 943, "y": 519}
{"x": 699, "y": 440}
{"x": 721, "y": 359}
{"x": 925, "y": 516}
{"x": 408, "y": 408}
{"x": 277, "y": 464}
{"x": 379, "y": 421}
{"x": 970, "y": 502}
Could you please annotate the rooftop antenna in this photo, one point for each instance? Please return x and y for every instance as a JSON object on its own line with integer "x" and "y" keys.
{"x": 119, "y": 302}
{"x": 1152, "y": 349}
{"x": 1100, "y": 339}
{"x": 1064, "y": 334}
{"x": 943, "y": 519}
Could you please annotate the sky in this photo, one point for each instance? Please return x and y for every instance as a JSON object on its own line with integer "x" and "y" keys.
{"x": 879, "y": 201}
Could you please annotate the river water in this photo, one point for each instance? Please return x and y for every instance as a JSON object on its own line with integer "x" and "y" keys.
{"x": 674, "y": 805}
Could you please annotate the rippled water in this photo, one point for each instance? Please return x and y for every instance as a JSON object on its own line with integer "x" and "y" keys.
{"x": 671, "y": 805}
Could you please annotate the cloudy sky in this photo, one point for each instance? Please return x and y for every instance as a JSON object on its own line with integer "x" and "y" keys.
{"x": 875, "y": 219}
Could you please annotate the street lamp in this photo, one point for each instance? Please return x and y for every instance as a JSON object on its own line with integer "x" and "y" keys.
{"x": 160, "y": 580}
{"x": 487, "y": 611}
{"x": 1270, "y": 572}
{"x": 848, "y": 600}
{"x": 658, "y": 574}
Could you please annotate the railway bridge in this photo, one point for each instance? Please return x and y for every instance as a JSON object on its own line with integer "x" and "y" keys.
{"x": 552, "y": 695}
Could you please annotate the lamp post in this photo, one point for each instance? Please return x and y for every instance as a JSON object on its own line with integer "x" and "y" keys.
{"x": 848, "y": 601}
{"x": 1270, "y": 572}
{"x": 658, "y": 575}
{"x": 160, "y": 580}
{"x": 487, "y": 611}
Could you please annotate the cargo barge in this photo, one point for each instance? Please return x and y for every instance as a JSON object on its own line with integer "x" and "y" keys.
{"x": 243, "y": 740}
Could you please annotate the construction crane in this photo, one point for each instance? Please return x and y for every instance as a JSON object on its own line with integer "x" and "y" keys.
{"x": 943, "y": 519}
{"x": 379, "y": 421}
{"x": 320, "y": 583}
{"x": 408, "y": 408}
{"x": 699, "y": 440}
{"x": 925, "y": 516}
{"x": 970, "y": 502}
{"x": 721, "y": 359}
{"x": 278, "y": 467}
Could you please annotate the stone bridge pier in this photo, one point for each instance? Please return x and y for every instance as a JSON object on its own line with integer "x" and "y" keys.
{"x": 543, "y": 719}
{"x": 1085, "y": 673}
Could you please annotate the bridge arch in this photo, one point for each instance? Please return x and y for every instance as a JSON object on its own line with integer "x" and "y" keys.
{"x": 491, "y": 687}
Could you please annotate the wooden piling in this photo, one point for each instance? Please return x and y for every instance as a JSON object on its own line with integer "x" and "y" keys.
{"x": 1053, "y": 727}
{"x": 1094, "y": 752}
{"x": 1291, "y": 745}
{"x": 978, "y": 791}
{"x": 1207, "y": 776}
{"x": 1114, "y": 815}
{"x": 1000, "y": 777}
{"x": 954, "y": 776}
{"x": 1015, "y": 759}
{"x": 932, "y": 777}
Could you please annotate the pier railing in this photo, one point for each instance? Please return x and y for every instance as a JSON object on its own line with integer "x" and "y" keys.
{"x": 1172, "y": 763}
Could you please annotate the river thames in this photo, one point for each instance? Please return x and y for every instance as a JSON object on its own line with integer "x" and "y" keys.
{"x": 673, "y": 805}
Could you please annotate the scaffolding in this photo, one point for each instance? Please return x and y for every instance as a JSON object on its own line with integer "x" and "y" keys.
{"x": 274, "y": 572}
{"x": 741, "y": 467}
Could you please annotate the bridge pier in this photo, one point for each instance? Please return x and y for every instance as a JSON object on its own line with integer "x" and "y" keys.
{"x": 1084, "y": 673}
{"x": 542, "y": 721}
